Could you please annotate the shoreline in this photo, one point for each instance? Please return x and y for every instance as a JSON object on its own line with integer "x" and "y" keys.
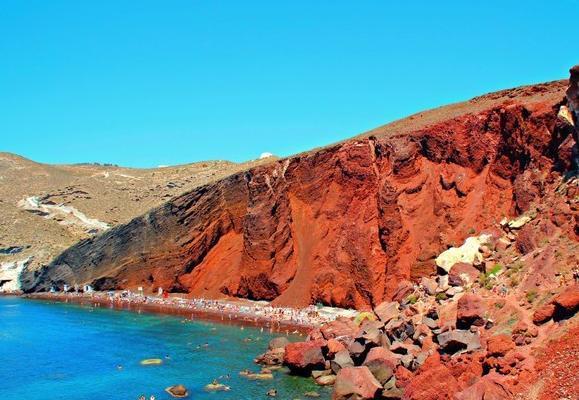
{"x": 174, "y": 307}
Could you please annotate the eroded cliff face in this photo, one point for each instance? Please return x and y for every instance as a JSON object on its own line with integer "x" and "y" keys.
{"x": 345, "y": 225}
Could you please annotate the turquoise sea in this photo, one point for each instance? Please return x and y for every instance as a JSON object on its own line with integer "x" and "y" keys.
{"x": 64, "y": 351}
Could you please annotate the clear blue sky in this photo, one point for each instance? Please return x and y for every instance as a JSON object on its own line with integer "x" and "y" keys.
{"x": 143, "y": 83}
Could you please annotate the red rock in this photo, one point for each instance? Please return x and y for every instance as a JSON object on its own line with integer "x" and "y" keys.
{"x": 404, "y": 289}
{"x": 341, "y": 360}
{"x": 499, "y": 345}
{"x": 489, "y": 387}
{"x": 469, "y": 311}
{"x": 335, "y": 346}
{"x": 355, "y": 383}
{"x": 567, "y": 301}
{"x": 382, "y": 363}
{"x": 466, "y": 273}
{"x": 387, "y": 311}
{"x": 544, "y": 314}
{"x": 434, "y": 383}
{"x": 338, "y": 328}
{"x": 303, "y": 357}
{"x": 499, "y": 364}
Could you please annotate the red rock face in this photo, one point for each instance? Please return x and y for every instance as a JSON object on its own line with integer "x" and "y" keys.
{"x": 344, "y": 225}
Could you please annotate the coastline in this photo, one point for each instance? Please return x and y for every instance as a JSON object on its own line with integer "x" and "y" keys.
{"x": 176, "y": 308}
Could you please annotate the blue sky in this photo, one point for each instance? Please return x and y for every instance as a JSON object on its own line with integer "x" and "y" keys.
{"x": 143, "y": 83}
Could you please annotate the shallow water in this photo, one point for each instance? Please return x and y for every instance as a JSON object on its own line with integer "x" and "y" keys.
{"x": 65, "y": 351}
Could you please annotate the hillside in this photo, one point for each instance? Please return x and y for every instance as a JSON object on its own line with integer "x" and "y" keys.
{"x": 346, "y": 225}
{"x": 44, "y": 208}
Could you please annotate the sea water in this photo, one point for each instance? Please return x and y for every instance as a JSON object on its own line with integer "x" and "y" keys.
{"x": 64, "y": 351}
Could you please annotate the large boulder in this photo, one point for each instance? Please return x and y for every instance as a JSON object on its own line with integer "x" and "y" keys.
{"x": 341, "y": 327}
{"x": 382, "y": 363}
{"x": 469, "y": 311}
{"x": 387, "y": 311}
{"x": 567, "y": 302}
{"x": 456, "y": 341}
{"x": 563, "y": 306}
{"x": 341, "y": 360}
{"x": 271, "y": 357}
{"x": 355, "y": 383}
{"x": 467, "y": 253}
{"x": 543, "y": 314}
{"x": 465, "y": 273}
{"x": 303, "y": 357}
{"x": 334, "y": 346}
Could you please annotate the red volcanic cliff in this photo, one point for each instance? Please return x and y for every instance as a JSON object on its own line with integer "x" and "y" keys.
{"x": 344, "y": 225}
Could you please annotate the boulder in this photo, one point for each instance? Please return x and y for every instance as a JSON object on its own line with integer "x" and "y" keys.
{"x": 404, "y": 348}
{"x": 178, "y": 391}
{"x": 326, "y": 380}
{"x": 429, "y": 285}
{"x": 278, "y": 343}
{"x": 567, "y": 302}
{"x": 404, "y": 289}
{"x": 303, "y": 357}
{"x": 317, "y": 373}
{"x": 335, "y": 346}
{"x": 467, "y": 253}
{"x": 355, "y": 383}
{"x": 499, "y": 345}
{"x": 543, "y": 314}
{"x": 341, "y": 360}
{"x": 358, "y": 351}
{"x": 393, "y": 393}
{"x": 399, "y": 329}
{"x": 372, "y": 336}
{"x": 429, "y": 322}
{"x": 381, "y": 363}
{"x": 469, "y": 311}
{"x": 466, "y": 273}
{"x": 341, "y": 327}
{"x": 489, "y": 387}
{"x": 387, "y": 311}
{"x": 271, "y": 357}
{"x": 434, "y": 383}
{"x": 457, "y": 340}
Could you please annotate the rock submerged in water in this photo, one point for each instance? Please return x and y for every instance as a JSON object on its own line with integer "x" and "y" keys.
{"x": 152, "y": 361}
{"x": 178, "y": 391}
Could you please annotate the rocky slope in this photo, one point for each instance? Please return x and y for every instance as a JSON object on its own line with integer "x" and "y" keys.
{"x": 347, "y": 225}
{"x": 44, "y": 208}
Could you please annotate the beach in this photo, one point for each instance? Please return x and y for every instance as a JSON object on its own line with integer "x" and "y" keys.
{"x": 232, "y": 312}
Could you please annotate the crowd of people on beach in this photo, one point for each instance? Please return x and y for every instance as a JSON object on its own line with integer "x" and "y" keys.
{"x": 227, "y": 309}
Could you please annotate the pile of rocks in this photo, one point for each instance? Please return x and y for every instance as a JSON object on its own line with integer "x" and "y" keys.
{"x": 436, "y": 339}
{"x": 376, "y": 358}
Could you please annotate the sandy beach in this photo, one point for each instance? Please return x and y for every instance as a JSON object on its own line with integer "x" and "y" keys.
{"x": 231, "y": 312}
